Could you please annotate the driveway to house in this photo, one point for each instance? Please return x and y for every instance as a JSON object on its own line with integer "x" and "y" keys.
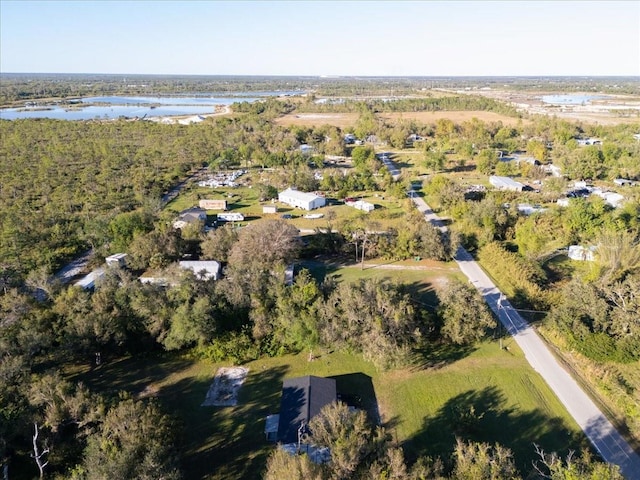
{"x": 605, "y": 438}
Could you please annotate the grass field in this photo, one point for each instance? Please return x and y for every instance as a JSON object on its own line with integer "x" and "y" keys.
{"x": 482, "y": 393}
{"x": 346, "y": 120}
{"x": 389, "y": 211}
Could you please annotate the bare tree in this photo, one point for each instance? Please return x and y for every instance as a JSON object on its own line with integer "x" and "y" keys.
{"x": 37, "y": 454}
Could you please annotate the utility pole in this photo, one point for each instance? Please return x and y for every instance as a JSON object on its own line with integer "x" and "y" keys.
{"x": 499, "y": 322}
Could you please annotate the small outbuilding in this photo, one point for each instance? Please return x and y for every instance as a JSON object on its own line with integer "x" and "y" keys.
{"x": 362, "y": 205}
{"x": 269, "y": 209}
{"x": 210, "y": 204}
{"x": 303, "y": 200}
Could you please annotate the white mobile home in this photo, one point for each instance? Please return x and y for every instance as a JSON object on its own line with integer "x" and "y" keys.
{"x": 505, "y": 183}
{"x": 231, "y": 217}
{"x": 303, "y": 200}
{"x": 203, "y": 269}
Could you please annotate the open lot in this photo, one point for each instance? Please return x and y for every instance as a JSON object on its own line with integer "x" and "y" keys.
{"x": 454, "y": 116}
{"x": 345, "y": 120}
{"x": 481, "y": 393}
{"x": 610, "y": 110}
{"x": 423, "y": 408}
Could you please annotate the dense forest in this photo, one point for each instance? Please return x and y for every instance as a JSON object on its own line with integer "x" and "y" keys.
{"x": 67, "y": 187}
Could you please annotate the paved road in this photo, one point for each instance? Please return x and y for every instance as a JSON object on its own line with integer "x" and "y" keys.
{"x": 602, "y": 434}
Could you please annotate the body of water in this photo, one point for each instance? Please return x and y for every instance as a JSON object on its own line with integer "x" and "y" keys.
{"x": 570, "y": 99}
{"x": 111, "y": 107}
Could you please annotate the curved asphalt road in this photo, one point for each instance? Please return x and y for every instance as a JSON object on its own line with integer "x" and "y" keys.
{"x": 602, "y": 434}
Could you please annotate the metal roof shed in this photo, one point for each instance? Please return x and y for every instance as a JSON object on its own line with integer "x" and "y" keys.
{"x": 505, "y": 183}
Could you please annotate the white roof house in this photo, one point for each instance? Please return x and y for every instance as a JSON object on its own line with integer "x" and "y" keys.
{"x": 189, "y": 217}
{"x": 527, "y": 209}
{"x": 190, "y": 120}
{"x": 554, "y": 170}
{"x": 117, "y": 259}
{"x": 303, "y": 200}
{"x": 505, "y": 183}
{"x": 88, "y": 282}
{"x": 203, "y": 269}
{"x": 306, "y": 149}
{"x": 611, "y": 198}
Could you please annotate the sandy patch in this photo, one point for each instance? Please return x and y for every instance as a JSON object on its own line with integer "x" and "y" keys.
{"x": 340, "y": 120}
{"x": 343, "y": 120}
{"x": 223, "y": 392}
{"x": 454, "y": 116}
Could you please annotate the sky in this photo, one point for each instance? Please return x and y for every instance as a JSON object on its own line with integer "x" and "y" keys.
{"x": 308, "y": 37}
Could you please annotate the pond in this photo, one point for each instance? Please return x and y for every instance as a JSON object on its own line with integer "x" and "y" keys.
{"x": 112, "y": 107}
{"x": 571, "y": 99}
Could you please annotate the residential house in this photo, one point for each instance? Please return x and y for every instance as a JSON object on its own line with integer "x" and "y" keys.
{"x": 205, "y": 270}
{"x": 505, "y": 183}
{"x": 117, "y": 260}
{"x": 303, "y": 200}
{"x": 88, "y": 282}
{"x": 189, "y": 217}
{"x": 306, "y": 149}
{"x": 350, "y": 139}
{"x": 611, "y": 198}
{"x": 302, "y": 399}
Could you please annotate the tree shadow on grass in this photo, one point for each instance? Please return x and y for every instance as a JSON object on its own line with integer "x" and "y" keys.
{"x": 484, "y": 416}
{"x": 356, "y": 390}
{"x": 436, "y": 355}
{"x": 423, "y": 293}
{"x": 131, "y": 374}
{"x": 229, "y": 442}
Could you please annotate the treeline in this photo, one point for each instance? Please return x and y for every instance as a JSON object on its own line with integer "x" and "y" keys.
{"x": 360, "y": 451}
{"x": 27, "y": 87}
{"x": 424, "y": 104}
{"x": 247, "y": 314}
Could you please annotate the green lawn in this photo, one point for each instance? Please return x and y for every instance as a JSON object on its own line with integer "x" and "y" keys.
{"x": 423, "y": 408}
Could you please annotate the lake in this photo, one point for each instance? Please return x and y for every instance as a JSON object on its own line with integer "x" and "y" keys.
{"x": 112, "y": 107}
{"x": 571, "y": 99}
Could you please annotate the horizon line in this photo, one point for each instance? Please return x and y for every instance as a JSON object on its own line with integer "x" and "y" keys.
{"x": 324, "y": 76}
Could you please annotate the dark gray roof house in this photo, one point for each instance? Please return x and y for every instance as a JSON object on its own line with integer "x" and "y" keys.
{"x": 302, "y": 399}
